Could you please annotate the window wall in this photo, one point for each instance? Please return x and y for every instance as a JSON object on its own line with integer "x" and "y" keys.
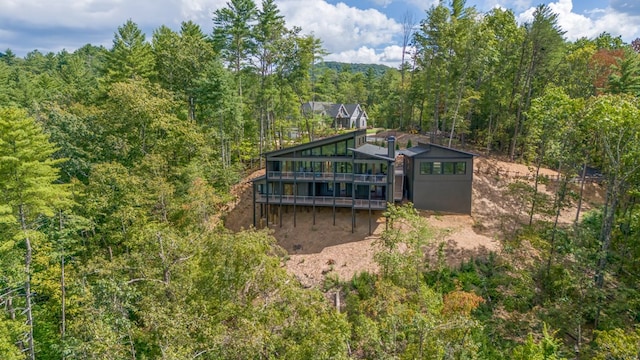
{"x": 443, "y": 168}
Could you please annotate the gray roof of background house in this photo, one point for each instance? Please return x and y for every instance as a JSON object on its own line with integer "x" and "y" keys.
{"x": 330, "y": 109}
{"x": 321, "y": 107}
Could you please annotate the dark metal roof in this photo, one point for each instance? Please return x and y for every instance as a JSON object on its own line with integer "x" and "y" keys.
{"x": 374, "y": 151}
{"x": 413, "y": 151}
{"x": 422, "y": 148}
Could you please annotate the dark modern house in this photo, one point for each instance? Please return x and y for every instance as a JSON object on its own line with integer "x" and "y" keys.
{"x": 438, "y": 178}
{"x": 343, "y": 116}
{"x": 342, "y": 171}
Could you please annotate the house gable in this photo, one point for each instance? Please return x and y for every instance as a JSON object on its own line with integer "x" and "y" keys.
{"x": 343, "y": 115}
{"x": 439, "y": 178}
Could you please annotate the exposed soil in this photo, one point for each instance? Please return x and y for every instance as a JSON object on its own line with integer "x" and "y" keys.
{"x": 317, "y": 247}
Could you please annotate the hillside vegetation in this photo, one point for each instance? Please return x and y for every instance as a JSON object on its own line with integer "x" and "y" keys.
{"x": 116, "y": 167}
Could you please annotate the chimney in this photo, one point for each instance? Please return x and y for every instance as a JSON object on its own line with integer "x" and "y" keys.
{"x": 391, "y": 147}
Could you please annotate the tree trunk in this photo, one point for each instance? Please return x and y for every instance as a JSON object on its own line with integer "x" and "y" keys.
{"x": 582, "y": 178}
{"x": 608, "y": 217}
{"x": 455, "y": 113}
{"x": 63, "y": 292}
{"x": 560, "y": 196}
{"x": 535, "y": 186}
{"x": 27, "y": 284}
{"x": 522, "y": 91}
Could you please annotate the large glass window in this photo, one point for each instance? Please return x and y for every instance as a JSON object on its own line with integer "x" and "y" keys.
{"x": 343, "y": 168}
{"x": 288, "y": 189}
{"x": 425, "y": 168}
{"x": 436, "y": 168}
{"x": 448, "y": 168}
{"x": 329, "y": 150}
{"x": 289, "y": 166}
{"x": 443, "y": 168}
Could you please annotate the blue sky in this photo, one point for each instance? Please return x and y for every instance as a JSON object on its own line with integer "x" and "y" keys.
{"x": 357, "y": 31}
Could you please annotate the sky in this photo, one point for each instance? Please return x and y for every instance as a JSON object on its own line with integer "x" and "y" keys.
{"x": 354, "y": 31}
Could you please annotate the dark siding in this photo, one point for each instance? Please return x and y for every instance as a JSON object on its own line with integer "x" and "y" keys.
{"x": 446, "y": 193}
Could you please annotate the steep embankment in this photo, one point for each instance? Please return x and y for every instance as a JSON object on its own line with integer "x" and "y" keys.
{"x": 318, "y": 247}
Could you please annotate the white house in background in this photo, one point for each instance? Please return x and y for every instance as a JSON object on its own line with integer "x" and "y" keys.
{"x": 344, "y": 116}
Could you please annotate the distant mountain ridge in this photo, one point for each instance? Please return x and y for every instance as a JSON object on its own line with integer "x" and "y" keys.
{"x": 378, "y": 69}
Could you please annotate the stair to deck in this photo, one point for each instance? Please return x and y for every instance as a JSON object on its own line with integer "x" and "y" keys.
{"x": 398, "y": 188}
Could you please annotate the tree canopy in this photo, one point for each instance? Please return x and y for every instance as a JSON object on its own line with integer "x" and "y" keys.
{"x": 116, "y": 167}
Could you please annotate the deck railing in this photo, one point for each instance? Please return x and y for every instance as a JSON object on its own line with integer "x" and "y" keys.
{"x": 322, "y": 201}
{"x": 327, "y": 176}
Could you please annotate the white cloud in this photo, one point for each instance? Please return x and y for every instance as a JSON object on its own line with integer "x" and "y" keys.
{"x": 390, "y": 56}
{"x": 47, "y": 25}
{"x": 340, "y": 27}
{"x": 600, "y": 20}
{"x": 94, "y": 14}
{"x": 364, "y": 55}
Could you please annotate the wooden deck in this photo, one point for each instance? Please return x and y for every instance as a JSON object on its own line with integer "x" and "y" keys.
{"x": 322, "y": 201}
{"x": 328, "y": 177}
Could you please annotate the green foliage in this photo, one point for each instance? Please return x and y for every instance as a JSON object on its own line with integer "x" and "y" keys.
{"x": 260, "y": 309}
{"x": 617, "y": 344}
{"x": 158, "y": 133}
{"x": 406, "y": 229}
{"x": 10, "y": 331}
{"x": 131, "y": 56}
{"x": 28, "y": 193}
{"x": 232, "y": 32}
{"x": 377, "y": 69}
{"x": 546, "y": 348}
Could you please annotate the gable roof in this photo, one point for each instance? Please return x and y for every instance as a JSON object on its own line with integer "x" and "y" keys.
{"x": 324, "y": 108}
{"x": 351, "y": 108}
{"x": 337, "y": 111}
{"x": 315, "y": 107}
{"x": 422, "y": 148}
{"x": 333, "y": 110}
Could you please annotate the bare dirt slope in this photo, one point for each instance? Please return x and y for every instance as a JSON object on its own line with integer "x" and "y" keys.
{"x": 318, "y": 248}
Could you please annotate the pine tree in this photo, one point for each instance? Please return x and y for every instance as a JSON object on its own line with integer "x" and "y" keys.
{"x": 27, "y": 192}
{"x": 131, "y": 56}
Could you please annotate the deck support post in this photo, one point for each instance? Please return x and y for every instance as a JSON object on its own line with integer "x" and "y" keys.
{"x": 369, "y": 209}
{"x": 253, "y": 207}
{"x": 280, "y": 207}
{"x": 266, "y": 184}
{"x": 353, "y": 195}
{"x": 313, "y": 193}
{"x": 335, "y": 168}
{"x": 295, "y": 187}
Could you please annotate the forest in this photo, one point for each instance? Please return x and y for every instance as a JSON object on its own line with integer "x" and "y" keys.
{"x": 116, "y": 167}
